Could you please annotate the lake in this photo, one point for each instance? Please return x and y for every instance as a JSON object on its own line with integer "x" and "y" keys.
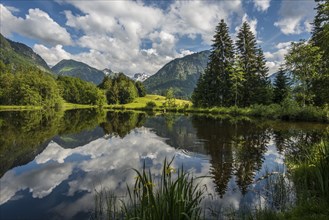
{"x": 52, "y": 163}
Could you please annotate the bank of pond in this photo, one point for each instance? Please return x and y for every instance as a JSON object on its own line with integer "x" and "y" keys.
{"x": 79, "y": 164}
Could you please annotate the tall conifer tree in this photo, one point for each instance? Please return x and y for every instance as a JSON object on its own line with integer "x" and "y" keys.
{"x": 214, "y": 86}
{"x": 281, "y": 86}
{"x": 320, "y": 32}
{"x": 320, "y": 38}
{"x": 256, "y": 85}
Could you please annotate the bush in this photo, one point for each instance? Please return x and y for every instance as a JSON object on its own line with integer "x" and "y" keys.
{"x": 150, "y": 105}
{"x": 268, "y": 111}
{"x": 289, "y": 109}
{"x": 309, "y": 113}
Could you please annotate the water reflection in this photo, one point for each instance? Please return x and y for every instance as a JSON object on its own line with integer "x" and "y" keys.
{"x": 121, "y": 123}
{"x": 67, "y": 156}
{"x": 24, "y": 134}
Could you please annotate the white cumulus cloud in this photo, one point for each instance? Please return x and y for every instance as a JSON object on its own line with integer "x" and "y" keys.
{"x": 262, "y": 5}
{"x": 295, "y": 16}
{"x": 125, "y": 36}
{"x": 118, "y": 30}
{"x": 276, "y": 58}
{"x": 37, "y": 24}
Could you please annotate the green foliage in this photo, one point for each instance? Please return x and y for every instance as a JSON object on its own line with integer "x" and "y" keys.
{"x": 320, "y": 38}
{"x": 256, "y": 86}
{"x": 140, "y": 89}
{"x": 120, "y": 89}
{"x": 272, "y": 111}
{"x": 304, "y": 60}
{"x": 320, "y": 35}
{"x": 281, "y": 87}
{"x": 170, "y": 98}
{"x": 28, "y": 86}
{"x": 237, "y": 77}
{"x": 150, "y": 105}
{"x": 213, "y": 88}
{"x": 234, "y": 79}
{"x": 174, "y": 196}
{"x": 309, "y": 172}
{"x": 177, "y": 198}
{"x": 75, "y": 90}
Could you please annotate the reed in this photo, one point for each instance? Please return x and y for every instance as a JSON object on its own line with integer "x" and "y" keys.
{"x": 176, "y": 195}
{"x": 171, "y": 197}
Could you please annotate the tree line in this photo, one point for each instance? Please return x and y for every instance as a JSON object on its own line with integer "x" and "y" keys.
{"x": 21, "y": 85}
{"x": 236, "y": 74}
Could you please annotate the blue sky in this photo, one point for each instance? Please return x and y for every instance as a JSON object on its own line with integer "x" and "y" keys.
{"x": 142, "y": 36}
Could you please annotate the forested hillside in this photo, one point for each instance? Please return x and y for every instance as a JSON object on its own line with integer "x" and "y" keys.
{"x": 18, "y": 55}
{"x": 79, "y": 70}
{"x": 180, "y": 74}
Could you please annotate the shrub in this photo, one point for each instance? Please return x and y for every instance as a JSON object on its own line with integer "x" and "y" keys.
{"x": 289, "y": 109}
{"x": 268, "y": 111}
{"x": 150, "y": 105}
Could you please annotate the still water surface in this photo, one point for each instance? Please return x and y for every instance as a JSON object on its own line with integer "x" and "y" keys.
{"x": 52, "y": 164}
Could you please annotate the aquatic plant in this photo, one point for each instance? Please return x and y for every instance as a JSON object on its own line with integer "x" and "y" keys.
{"x": 176, "y": 195}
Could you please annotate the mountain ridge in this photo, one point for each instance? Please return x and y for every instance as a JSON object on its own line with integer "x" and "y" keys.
{"x": 19, "y": 54}
{"x": 73, "y": 68}
{"x": 181, "y": 74}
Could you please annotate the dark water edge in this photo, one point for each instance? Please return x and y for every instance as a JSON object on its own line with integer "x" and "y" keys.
{"x": 234, "y": 151}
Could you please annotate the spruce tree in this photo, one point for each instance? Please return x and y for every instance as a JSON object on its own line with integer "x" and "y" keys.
{"x": 263, "y": 90}
{"x": 237, "y": 78}
{"x": 256, "y": 85}
{"x": 213, "y": 88}
{"x": 281, "y": 86}
{"x": 320, "y": 38}
{"x": 320, "y": 32}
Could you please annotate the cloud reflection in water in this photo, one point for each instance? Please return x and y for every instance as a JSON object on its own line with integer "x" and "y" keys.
{"x": 105, "y": 163}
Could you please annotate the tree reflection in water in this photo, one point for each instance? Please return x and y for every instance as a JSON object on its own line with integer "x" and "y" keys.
{"x": 24, "y": 134}
{"x": 121, "y": 123}
{"x": 235, "y": 148}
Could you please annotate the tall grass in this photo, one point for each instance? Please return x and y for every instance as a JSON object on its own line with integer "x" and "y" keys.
{"x": 311, "y": 173}
{"x": 176, "y": 195}
{"x": 107, "y": 206}
{"x": 301, "y": 193}
{"x": 305, "y": 194}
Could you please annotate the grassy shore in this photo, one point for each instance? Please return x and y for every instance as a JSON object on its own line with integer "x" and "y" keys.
{"x": 140, "y": 103}
{"x": 287, "y": 111}
{"x": 19, "y": 108}
{"x": 65, "y": 106}
{"x": 69, "y": 106}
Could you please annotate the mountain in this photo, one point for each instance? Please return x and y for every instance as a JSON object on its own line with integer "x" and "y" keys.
{"x": 80, "y": 70}
{"x": 19, "y": 54}
{"x": 140, "y": 77}
{"x": 107, "y": 71}
{"x": 180, "y": 74}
